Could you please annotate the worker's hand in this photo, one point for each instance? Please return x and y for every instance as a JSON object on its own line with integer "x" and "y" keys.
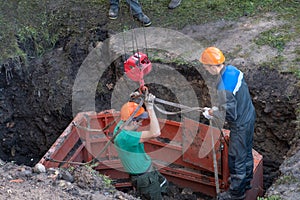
{"x": 149, "y": 101}
{"x": 215, "y": 108}
{"x": 206, "y": 113}
{"x": 135, "y": 94}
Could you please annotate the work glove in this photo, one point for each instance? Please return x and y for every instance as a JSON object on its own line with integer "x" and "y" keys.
{"x": 215, "y": 108}
{"x": 149, "y": 100}
{"x": 206, "y": 113}
{"x": 135, "y": 94}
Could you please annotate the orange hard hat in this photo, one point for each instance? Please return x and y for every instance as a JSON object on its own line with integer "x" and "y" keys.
{"x": 128, "y": 108}
{"x": 212, "y": 56}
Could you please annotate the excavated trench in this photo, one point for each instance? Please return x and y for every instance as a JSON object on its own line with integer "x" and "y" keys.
{"x": 36, "y": 102}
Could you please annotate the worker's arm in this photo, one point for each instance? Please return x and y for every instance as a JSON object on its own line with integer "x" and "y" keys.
{"x": 228, "y": 106}
{"x": 154, "y": 130}
{"x": 226, "y": 110}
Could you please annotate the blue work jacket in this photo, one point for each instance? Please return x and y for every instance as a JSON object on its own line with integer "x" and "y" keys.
{"x": 234, "y": 97}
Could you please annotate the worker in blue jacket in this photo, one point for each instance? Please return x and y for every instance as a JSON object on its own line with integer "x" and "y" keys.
{"x": 235, "y": 106}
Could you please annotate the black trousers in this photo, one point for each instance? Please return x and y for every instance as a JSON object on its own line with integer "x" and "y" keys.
{"x": 150, "y": 185}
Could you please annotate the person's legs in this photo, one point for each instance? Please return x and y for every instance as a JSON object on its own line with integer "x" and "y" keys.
{"x": 237, "y": 155}
{"x": 174, "y": 3}
{"x": 249, "y": 160}
{"x": 136, "y": 11}
{"x": 114, "y": 9}
{"x": 135, "y": 7}
{"x": 148, "y": 185}
{"x": 164, "y": 184}
{"x": 114, "y": 4}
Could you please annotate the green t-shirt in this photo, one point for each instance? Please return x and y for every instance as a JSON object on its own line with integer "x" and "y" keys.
{"x": 131, "y": 152}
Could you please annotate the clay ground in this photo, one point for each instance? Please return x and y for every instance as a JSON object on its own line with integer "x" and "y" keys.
{"x": 36, "y": 102}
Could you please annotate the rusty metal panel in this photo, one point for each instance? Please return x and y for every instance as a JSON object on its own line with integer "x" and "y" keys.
{"x": 197, "y": 145}
{"x": 257, "y": 181}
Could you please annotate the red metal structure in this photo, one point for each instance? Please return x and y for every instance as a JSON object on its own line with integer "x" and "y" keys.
{"x": 183, "y": 153}
{"x": 137, "y": 66}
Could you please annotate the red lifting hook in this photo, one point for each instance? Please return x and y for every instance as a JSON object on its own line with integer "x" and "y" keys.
{"x": 136, "y": 66}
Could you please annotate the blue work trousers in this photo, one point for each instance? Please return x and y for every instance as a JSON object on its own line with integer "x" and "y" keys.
{"x": 240, "y": 158}
{"x": 134, "y": 5}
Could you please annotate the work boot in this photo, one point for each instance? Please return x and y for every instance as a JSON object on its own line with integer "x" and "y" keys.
{"x": 229, "y": 196}
{"x": 144, "y": 19}
{"x": 113, "y": 13}
{"x": 174, "y": 3}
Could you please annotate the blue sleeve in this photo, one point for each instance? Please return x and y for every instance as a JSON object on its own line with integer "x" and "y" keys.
{"x": 230, "y": 83}
{"x": 227, "y": 106}
{"x": 231, "y": 79}
{"x": 231, "y": 106}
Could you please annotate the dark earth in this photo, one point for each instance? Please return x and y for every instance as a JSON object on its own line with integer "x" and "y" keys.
{"x": 36, "y": 107}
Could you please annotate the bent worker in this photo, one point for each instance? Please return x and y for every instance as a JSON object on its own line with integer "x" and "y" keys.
{"x": 149, "y": 183}
{"x": 235, "y": 102}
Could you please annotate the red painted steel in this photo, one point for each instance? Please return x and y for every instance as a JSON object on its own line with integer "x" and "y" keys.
{"x": 183, "y": 152}
{"x": 137, "y": 66}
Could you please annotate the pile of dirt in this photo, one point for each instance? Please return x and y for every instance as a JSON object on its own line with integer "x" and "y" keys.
{"x": 23, "y": 182}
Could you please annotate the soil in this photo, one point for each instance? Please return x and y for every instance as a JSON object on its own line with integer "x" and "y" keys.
{"x": 24, "y": 182}
{"x": 36, "y": 105}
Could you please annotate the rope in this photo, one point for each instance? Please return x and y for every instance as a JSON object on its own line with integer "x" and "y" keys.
{"x": 215, "y": 162}
{"x": 221, "y": 132}
{"x": 95, "y": 130}
{"x": 145, "y": 40}
{"x": 174, "y": 104}
{"x": 184, "y": 109}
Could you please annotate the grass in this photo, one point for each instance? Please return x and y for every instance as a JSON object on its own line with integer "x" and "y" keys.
{"x": 286, "y": 179}
{"x": 276, "y": 38}
{"x": 38, "y": 24}
{"x": 273, "y": 197}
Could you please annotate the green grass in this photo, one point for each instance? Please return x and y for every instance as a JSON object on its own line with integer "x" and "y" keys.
{"x": 40, "y": 23}
{"x": 276, "y": 38}
{"x": 286, "y": 179}
{"x": 273, "y": 197}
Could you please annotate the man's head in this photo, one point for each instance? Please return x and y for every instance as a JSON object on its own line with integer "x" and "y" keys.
{"x": 128, "y": 109}
{"x": 213, "y": 60}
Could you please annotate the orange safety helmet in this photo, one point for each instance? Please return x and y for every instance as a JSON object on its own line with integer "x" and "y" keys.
{"x": 128, "y": 108}
{"x": 212, "y": 56}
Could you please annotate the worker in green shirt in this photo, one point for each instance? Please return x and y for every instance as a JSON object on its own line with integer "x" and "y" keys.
{"x": 129, "y": 142}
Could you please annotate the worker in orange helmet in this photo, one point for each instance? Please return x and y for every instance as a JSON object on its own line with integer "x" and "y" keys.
{"x": 236, "y": 106}
{"x": 147, "y": 180}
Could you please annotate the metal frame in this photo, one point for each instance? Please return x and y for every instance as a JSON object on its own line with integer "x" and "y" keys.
{"x": 175, "y": 153}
